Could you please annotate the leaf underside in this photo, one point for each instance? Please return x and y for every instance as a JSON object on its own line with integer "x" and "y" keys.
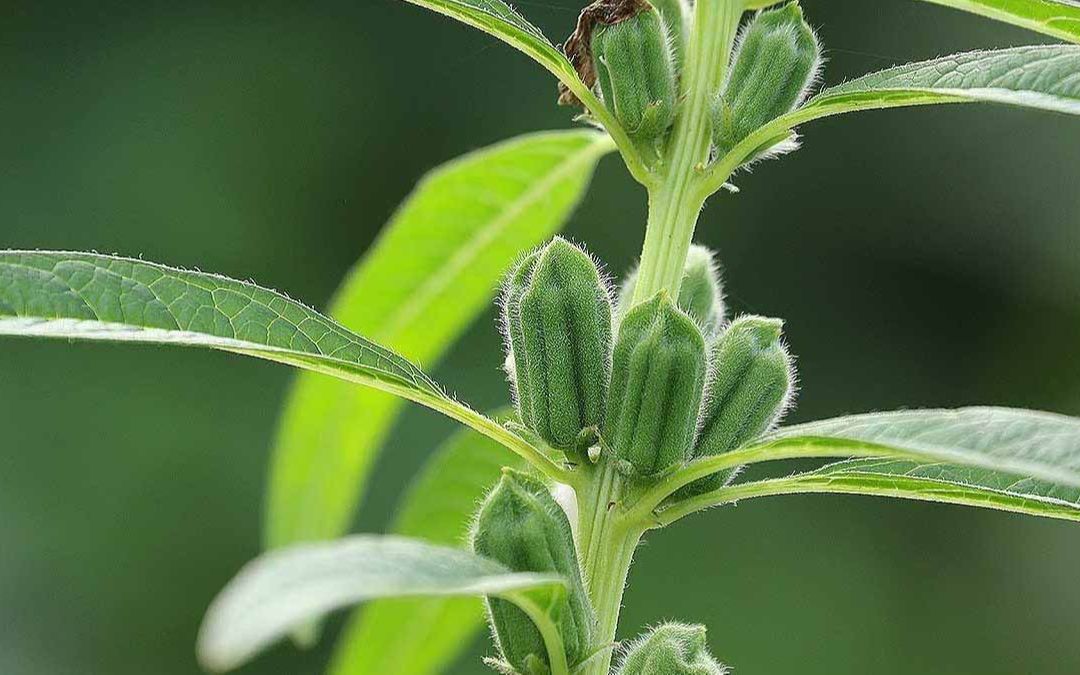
{"x": 433, "y": 269}
{"x": 1043, "y": 446}
{"x": 290, "y": 587}
{"x": 931, "y": 482}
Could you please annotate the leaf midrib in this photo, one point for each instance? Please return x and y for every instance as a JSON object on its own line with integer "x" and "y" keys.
{"x": 448, "y": 273}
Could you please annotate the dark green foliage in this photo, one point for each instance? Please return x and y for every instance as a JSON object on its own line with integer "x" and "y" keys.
{"x": 636, "y": 71}
{"x": 557, "y": 318}
{"x": 670, "y": 649}
{"x": 521, "y": 526}
{"x": 750, "y": 382}
{"x": 700, "y": 295}
{"x": 772, "y": 69}
{"x": 657, "y": 377}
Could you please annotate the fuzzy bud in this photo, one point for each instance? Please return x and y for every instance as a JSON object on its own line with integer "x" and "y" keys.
{"x": 677, "y": 16}
{"x": 671, "y": 649}
{"x": 557, "y": 319}
{"x": 521, "y": 526}
{"x": 751, "y": 378}
{"x": 773, "y": 68}
{"x": 657, "y": 376}
{"x": 636, "y": 71}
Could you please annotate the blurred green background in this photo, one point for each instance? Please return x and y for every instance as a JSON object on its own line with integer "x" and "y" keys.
{"x": 925, "y": 257}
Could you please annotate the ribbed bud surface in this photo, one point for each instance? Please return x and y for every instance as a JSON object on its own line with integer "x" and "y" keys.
{"x": 636, "y": 71}
{"x": 521, "y": 526}
{"x": 657, "y": 376}
{"x": 557, "y": 317}
{"x": 750, "y": 381}
{"x": 773, "y": 68}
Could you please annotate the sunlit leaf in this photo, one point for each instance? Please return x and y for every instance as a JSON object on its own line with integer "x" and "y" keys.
{"x": 291, "y": 587}
{"x": 434, "y": 268}
{"x": 1059, "y": 18}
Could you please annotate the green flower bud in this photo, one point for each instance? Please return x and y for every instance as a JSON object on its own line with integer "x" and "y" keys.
{"x": 751, "y": 378}
{"x": 521, "y": 526}
{"x": 670, "y": 649}
{"x": 636, "y": 71}
{"x": 657, "y": 377}
{"x": 678, "y": 18}
{"x": 557, "y": 321}
{"x": 700, "y": 294}
{"x": 773, "y": 68}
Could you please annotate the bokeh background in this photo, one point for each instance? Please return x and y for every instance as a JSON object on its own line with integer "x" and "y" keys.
{"x": 926, "y": 257}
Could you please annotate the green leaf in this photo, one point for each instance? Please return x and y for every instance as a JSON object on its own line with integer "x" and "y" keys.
{"x": 91, "y": 297}
{"x": 434, "y": 268}
{"x": 1038, "y": 445}
{"x": 1058, "y": 18}
{"x": 1041, "y": 77}
{"x": 902, "y": 479}
{"x": 422, "y": 636}
{"x": 291, "y": 587}
{"x": 1034, "y": 77}
{"x": 498, "y": 19}
{"x": 946, "y": 483}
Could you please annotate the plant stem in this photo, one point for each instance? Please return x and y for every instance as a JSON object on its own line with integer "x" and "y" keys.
{"x": 606, "y": 537}
{"x": 607, "y": 550}
{"x": 674, "y": 203}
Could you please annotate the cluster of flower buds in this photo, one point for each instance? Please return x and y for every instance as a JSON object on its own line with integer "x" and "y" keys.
{"x": 670, "y": 649}
{"x": 521, "y": 526}
{"x": 773, "y": 68}
{"x": 676, "y": 383}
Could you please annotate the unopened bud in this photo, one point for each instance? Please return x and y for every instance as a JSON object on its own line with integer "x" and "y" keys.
{"x": 557, "y": 318}
{"x": 657, "y": 377}
{"x": 636, "y": 71}
{"x": 670, "y": 649}
{"x": 751, "y": 377}
{"x": 521, "y": 526}
{"x": 773, "y": 68}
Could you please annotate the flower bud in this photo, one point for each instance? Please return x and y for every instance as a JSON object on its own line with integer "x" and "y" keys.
{"x": 700, "y": 294}
{"x": 670, "y": 649}
{"x": 557, "y": 320}
{"x": 657, "y": 376}
{"x": 521, "y": 526}
{"x": 677, "y": 16}
{"x": 773, "y": 68}
{"x": 636, "y": 71}
{"x": 750, "y": 383}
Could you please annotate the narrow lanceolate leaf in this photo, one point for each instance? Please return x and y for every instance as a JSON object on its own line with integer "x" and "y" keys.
{"x": 290, "y": 587}
{"x": 1025, "y": 443}
{"x": 86, "y": 296}
{"x": 1059, "y": 18}
{"x": 904, "y": 479}
{"x": 422, "y": 636}
{"x": 434, "y": 268}
{"x": 1035, "y": 77}
{"x": 498, "y": 19}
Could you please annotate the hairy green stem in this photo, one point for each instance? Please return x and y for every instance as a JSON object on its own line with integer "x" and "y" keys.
{"x": 676, "y": 201}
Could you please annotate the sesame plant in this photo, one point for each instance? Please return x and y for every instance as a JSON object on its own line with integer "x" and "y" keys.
{"x": 632, "y": 407}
